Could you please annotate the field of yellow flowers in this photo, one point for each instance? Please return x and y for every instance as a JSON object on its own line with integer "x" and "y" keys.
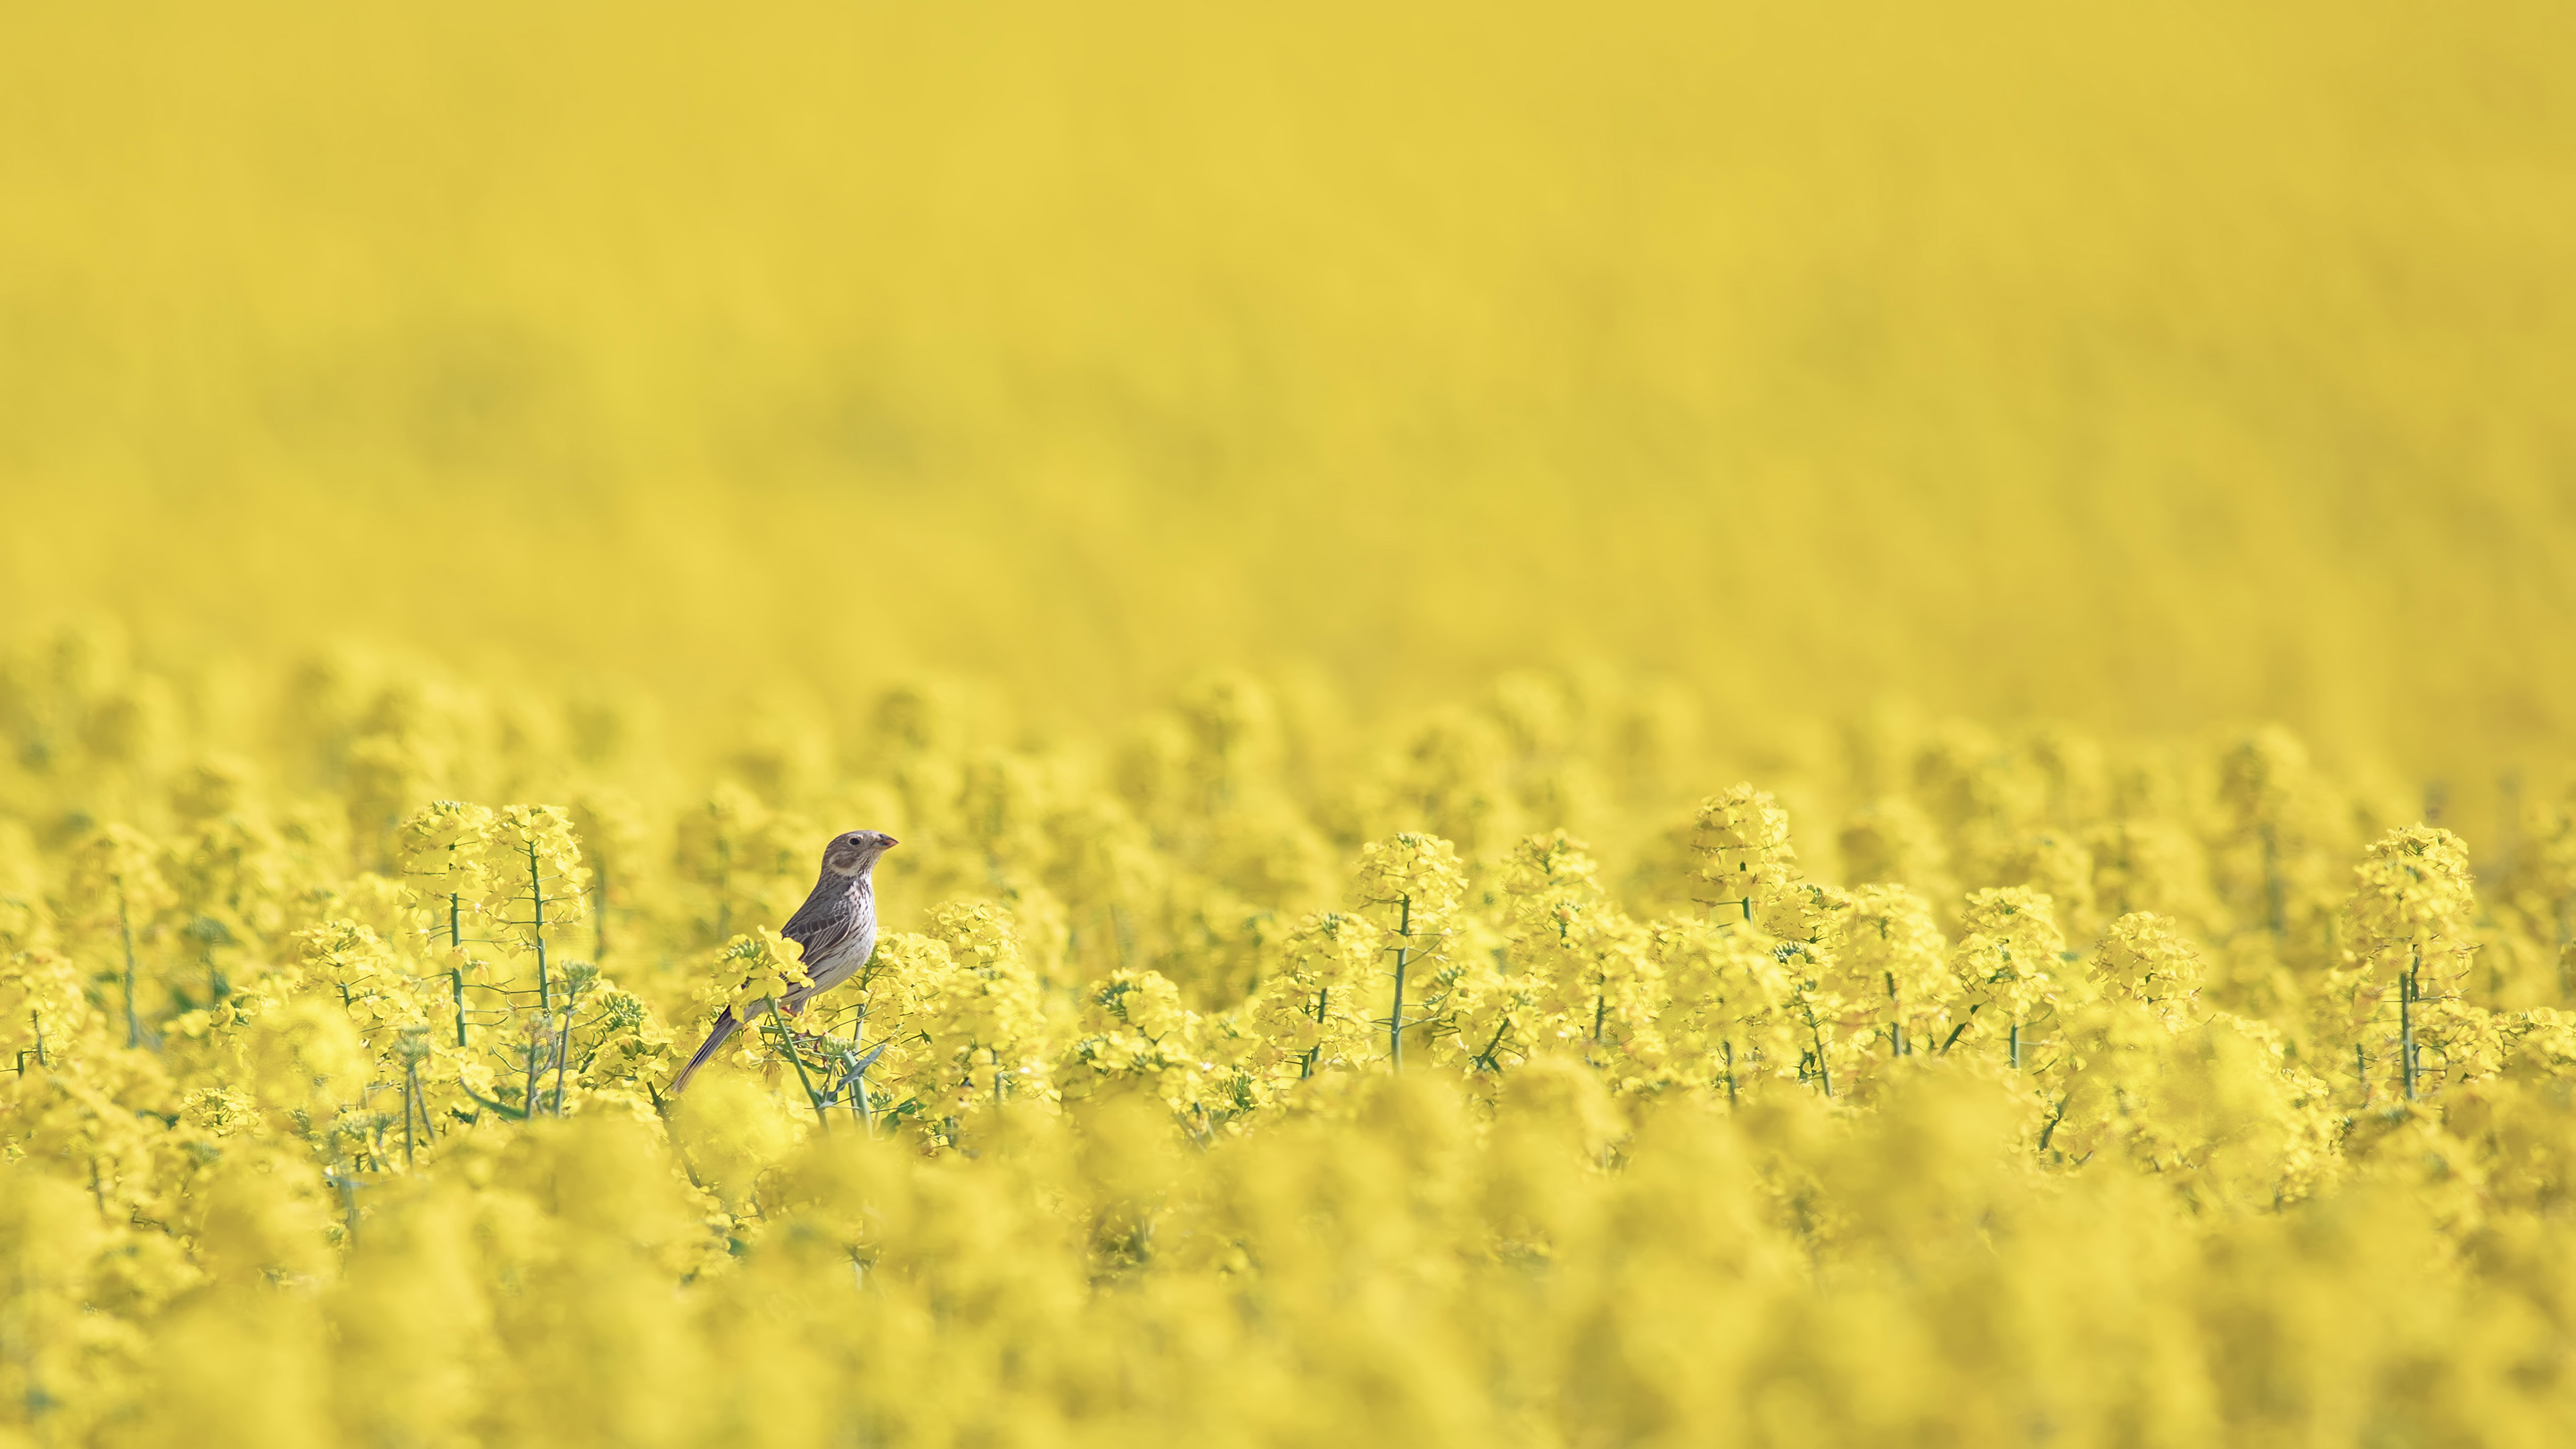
{"x": 1641, "y": 725}
{"x": 1207, "y": 1091}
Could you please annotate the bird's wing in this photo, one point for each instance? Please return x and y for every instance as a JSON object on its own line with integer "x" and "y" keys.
{"x": 823, "y": 923}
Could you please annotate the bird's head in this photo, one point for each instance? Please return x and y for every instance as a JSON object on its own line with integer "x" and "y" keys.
{"x": 853, "y": 851}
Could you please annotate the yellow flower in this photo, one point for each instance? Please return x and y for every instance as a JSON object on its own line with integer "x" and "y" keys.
{"x": 760, "y": 965}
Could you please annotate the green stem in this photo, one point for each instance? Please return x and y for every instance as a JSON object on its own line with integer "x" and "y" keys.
{"x": 348, "y": 1203}
{"x": 537, "y": 927}
{"x": 859, "y": 1079}
{"x": 787, "y": 1043}
{"x": 2406, "y": 1025}
{"x": 1403, "y": 958}
{"x": 1306, "y": 1067}
{"x": 2050, "y": 1130}
{"x": 563, "y": 1051}
{"x": 456, "y": 983}
{"x": 528, "y": 1093}
{"x": 125, "y": 926}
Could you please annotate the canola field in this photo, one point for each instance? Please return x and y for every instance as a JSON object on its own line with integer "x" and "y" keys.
{"x": 1643, "y": 726}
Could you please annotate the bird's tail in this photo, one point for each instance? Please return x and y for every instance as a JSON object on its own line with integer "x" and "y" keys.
{"x": 725, "y": 1028}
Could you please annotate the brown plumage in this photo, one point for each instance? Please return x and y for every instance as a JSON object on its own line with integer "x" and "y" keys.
{"x": 837, "y": 927}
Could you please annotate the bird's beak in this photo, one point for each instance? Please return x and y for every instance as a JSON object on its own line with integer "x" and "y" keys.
{"x": 891, "y": 843}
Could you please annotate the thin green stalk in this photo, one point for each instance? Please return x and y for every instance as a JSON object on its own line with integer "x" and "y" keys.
{"x": 1403, "y": 958}
{"x": 1306, "y": 1065}
{"x": 563, "y": 1053}
{"x": 348, "y": 1202}
{"x": 537, "y": 927}
{"x": 528, "y": 1094}
{"x": 456, "y": 982}
{"x": 788, "y": 1042}
{"x": 2406, "y": 1024}
{"x": 859, "y": 1079}
{"x": 2059, "y": 1116}
{"x": 125, "y": 925}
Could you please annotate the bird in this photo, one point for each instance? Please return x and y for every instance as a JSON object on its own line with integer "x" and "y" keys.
{"x": 836, "y": 927}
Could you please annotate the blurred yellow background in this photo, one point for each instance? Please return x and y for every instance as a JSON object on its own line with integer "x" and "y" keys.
{"x": 2149, "y": 367}
{"x": 1156, "y": 458}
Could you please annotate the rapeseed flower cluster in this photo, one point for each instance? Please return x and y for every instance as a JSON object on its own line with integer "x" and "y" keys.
{"x": 338, "y": 1114}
